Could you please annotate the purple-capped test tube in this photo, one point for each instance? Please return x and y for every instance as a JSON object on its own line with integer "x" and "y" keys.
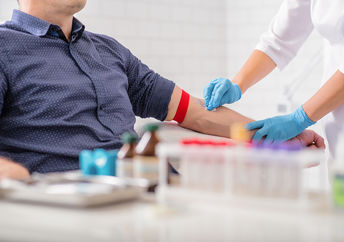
{"x": 271, "y": 146}
{"x": 291, "y": 146}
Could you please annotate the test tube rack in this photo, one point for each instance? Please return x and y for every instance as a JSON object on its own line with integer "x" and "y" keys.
{"x": 227, "y": 174}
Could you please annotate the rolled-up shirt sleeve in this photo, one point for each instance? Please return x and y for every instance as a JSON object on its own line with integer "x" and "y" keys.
{"x": 149, "y": 93}
{"x": 288, "y": 30}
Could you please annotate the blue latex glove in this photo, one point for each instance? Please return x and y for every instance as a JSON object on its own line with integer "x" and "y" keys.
{"x": 281, "y": 128}
{"x": 220, "y": 91}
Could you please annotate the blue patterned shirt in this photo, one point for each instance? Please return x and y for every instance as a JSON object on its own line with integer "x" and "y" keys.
{"x": 58, "y": 97}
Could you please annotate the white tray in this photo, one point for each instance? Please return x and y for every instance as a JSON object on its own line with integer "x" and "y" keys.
{"x": 72, "y": 189}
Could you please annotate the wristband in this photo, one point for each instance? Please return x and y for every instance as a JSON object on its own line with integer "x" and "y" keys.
{"x": 182, "y": 107}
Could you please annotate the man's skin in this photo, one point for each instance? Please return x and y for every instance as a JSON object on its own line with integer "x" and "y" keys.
{"x": 218, "y": 122}
{"x": 60, "y": 12}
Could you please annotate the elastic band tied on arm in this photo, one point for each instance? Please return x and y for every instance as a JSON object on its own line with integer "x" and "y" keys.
{"x": 182, "y": 107}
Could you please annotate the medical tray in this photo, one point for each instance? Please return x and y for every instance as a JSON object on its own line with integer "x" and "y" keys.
{"x": 72, "y": 189}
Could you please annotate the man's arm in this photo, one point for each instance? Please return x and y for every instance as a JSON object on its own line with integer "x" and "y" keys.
{"x": 218, "y": 122}
{"x": 199, "y": 119}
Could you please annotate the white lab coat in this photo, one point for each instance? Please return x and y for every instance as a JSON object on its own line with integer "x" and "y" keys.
{"x": 290, "y": 28}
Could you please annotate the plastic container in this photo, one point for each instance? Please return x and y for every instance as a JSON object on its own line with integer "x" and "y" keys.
{"x": 87, "y": 165}
{"x": 98, "y": 162}
{"x": 218, "y": 173}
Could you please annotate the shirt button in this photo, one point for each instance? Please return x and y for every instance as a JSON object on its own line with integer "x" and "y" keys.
{"x": 102, "y": 107}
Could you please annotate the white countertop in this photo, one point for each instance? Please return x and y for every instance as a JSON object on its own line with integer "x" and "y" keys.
{"x": 144, "y": 220}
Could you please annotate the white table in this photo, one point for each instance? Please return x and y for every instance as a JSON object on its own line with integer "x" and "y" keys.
{"x": 144, "y": 220}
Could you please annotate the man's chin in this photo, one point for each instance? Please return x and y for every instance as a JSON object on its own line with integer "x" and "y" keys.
{"x": 75, "y": 6}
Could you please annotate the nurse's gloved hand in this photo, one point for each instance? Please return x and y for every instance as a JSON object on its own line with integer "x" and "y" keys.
{"x": 220, "y": 91}
{"x": 281, "y": 128}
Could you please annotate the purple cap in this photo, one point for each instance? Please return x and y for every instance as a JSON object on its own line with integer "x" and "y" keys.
{"x": 271, "y": 146}
{"x": 266, "y": 145}
{"x": 291, "y": 146}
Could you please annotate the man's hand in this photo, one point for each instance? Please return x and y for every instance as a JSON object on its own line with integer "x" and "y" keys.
{"x": 10, "y": 169}
{"x": 310, "y": 139}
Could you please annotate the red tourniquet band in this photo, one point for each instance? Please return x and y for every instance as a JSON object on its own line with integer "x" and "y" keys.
{"x": 182, "y": 107}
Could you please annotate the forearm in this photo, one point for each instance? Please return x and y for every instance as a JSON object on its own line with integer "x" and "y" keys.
{"x": 329, "y": 97}
{"x": 217, "y": 122}
{"x": 256, "y": 68}
{"x": 197, "y": 118}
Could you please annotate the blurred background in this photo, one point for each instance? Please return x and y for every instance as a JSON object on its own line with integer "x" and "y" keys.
{"x": 194, "y": 41}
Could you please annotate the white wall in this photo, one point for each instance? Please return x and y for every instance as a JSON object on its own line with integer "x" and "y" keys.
{"x": 194, "y": 41}
{"x": 6, "y": 7}
{"x": 246, "y": 20}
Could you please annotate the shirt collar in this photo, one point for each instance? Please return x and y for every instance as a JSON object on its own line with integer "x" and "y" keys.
{"x": 30, "y": 23}
{"x": 77, "y": 29}
{"x": 40, "y": 27}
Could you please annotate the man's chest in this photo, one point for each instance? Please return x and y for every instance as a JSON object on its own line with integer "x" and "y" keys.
{"x": 50, "y": 74}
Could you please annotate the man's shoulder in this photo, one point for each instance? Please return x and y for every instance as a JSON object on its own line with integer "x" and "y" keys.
{"x": 4, "y": 30}
{"x": 108, "y": 45}
{"x": 7, "y": 37}
{"x": 9, "y": 32}
{"x": 104, "y": 39}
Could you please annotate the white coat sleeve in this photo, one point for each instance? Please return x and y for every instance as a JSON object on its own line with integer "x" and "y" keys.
{"x": 288, "y": 30}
